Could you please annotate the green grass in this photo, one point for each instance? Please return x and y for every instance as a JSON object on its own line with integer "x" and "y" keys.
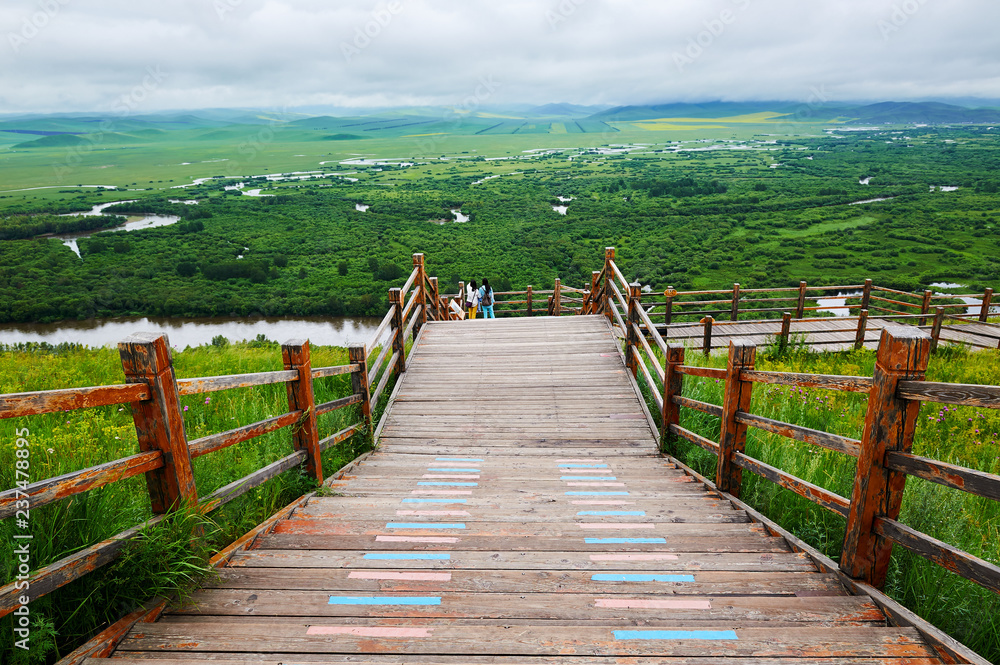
{"x": 965, "y": 436}
{"x": 161, "y": 561}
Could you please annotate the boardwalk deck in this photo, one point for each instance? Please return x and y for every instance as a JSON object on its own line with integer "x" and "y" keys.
{"x": 516, "y": 511}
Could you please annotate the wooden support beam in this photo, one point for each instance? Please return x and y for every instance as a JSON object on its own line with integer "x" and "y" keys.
{"x": 435, "y": 298}
{"x": 889, "y": 426}
{"x": 786, "y": 330}
{"x": 706, "y": 344}
{"x": 421, "y": 302}
{"x": 631, "y": 339}
{"x": 305, "y": 433}
{"x": 734, "y": 313}
{"x": 801, "y": 309}
{"x": 729, "y": 476}
{"x": 159, "y": 424}
{"x": 936, "y": 328}
{"x": 595, "y": 294}
{"x": 859, "y": 336}
{"x": 359, "y": 381}
{"x": 609, "y": 257}
{"x": 557, "y": 298}
{"x": 866, "y": 294}
{"x": 925, "y": 306}
{"x": 529, "y": 303}
{"x": 984, "y": 312}
{"x": 669, "y": 295}
{"x": 673, "y": 386}
{"x": 398, "y": 342}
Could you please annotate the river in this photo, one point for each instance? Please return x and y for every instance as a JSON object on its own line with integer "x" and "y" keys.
{"x": 135, "y": 223}
{"x": 331, "y": 331}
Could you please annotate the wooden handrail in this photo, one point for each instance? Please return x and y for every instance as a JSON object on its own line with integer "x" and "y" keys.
{"x": 16, "y": 405}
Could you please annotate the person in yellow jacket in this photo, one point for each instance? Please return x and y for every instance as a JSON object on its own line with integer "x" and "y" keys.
{"x": 471, "y": 299}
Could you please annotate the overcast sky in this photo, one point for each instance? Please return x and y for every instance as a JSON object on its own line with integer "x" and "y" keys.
{"x": 148, "y": 55}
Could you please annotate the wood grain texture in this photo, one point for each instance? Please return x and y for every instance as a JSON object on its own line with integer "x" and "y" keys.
{"x": 15, "y": 405}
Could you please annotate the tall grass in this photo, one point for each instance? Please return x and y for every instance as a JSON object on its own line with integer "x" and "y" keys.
{"x": 961, "y": 435}
{"x": 164, "y": 559}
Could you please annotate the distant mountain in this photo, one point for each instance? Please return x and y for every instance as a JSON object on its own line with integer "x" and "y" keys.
{"x": 566, "y": 110}
{"x": 928, "y": 113}
{"x": 702, "y": 110}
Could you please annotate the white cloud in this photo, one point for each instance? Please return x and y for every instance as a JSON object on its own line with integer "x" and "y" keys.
{"x": 66, "y": 55}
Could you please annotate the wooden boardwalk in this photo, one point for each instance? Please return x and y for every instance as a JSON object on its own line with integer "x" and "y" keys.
{"x": 517, "y": 512}
{"x": 832, "y": 334}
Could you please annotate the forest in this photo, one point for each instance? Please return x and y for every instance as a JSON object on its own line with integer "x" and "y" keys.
{"x": 906, "y": 207}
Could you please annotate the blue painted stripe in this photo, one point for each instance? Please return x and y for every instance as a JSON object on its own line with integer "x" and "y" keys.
{"x": 583, "y": 466}
{"x": 423, "y": 525}
{"x": 604, "y": 577}
{"x": 458, "y": 459}
{"x": 449, "y": 484}
{"x": 456, "y": 470}
{"x": 596, "y": 493}
{"x": 588, "y": 478}
{"x": 675, "y": 635}
{"x": 408, "y": 556}
{"x": 385, "y": 600}
{"x": 434, "y": 500}
{"x": 612, "y": 541}
{"x": 615, "y": 513}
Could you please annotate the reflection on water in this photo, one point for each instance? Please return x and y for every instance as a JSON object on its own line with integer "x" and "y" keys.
{"x": 331, "y": 331}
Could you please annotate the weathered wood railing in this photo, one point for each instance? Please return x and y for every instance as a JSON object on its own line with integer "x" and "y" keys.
{"x": 883, "y": 451}
{"x": 153, "y": 391}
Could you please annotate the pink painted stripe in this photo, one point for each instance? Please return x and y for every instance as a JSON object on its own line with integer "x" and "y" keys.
{"x": 617, "y": 525}
{"x": 603, "y": 503}
{"x": 452, "y": 476}
{"x": 633, "y": 557}
{"x": 390, "y": 575}
{"x": 427, "y": 513}
{"x": 415, "y": 539}
{"x": 586, "y": 460}
{"x": 595, "y": 484}
{"x": 366, "y": 631}
{"x": 441, "y": 492}
{"x": 637, "y": 604}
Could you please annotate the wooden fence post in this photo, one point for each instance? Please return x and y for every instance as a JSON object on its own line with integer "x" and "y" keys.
{"x": 987, "y": 301}
{"x": 435, "y": 298}
{"x": 529, "y": 300}
{"x": 669, "y": 294}
{"x": 936, "y": 329}
{"x": 706, "y": 344}
{"x": 631, "y": 339}
{"x": 461, "y": 296}
{"x": 595, "y": 292}
{"x": 358, "y": 355}
{"x": 728, "y": 476}
{"x": 609, "y": 256}
{"x": 859, "y": 336}
{"x": 557, "y": 298}
{"x": 735, "y": 312}
{"x": 866, "y": 295}
{"x": 786, "y": 330}
{"x": 418, "y": 263}
{"x": 889, "y": 425}
{"x": 159, "y": 424}
{"x": 305, "y": 433}
{"x": 673, "y": 385}
{"x": 925, "y": 306}
{"x": 398, "y": 343}
{"x": 801, "y": 308}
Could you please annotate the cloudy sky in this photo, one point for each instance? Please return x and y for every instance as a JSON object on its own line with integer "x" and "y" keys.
{"x": 95, "y": 55}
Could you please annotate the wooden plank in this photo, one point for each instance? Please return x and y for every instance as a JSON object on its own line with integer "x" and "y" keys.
{"x": 807, "y": 490}
{"x": 214, "y": 383}
{"x": 951, "y": 393}
{"x": 841, "y": 444}
{"x": 15, "y": 405}
{"x": 528, "y": 639}
{"x": 213, "y": 442}
{"x": 854, "y": 384}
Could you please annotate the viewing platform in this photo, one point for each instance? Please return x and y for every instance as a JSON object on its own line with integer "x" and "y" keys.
{"x": 517, "y": 511}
